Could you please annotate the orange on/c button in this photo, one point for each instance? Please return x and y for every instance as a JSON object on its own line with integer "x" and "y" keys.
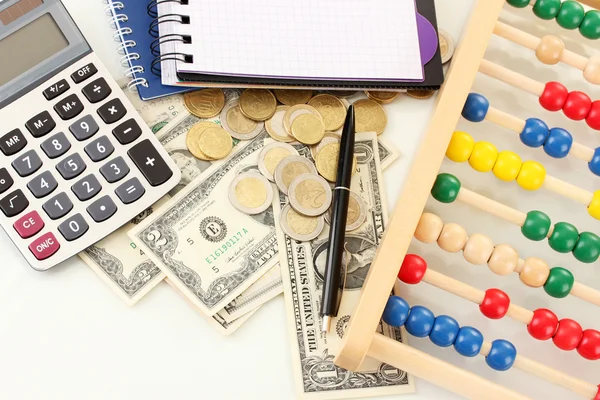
{"x": 29, "y": 224}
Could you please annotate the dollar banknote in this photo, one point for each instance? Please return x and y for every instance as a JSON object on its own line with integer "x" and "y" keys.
{"x": 209, "y": 250}
{"x": 124, "y": 267}
{"x": 302, "y": 271}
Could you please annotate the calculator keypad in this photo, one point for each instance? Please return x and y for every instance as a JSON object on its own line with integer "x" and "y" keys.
{"x": 56, "y": 145}
{"x": 102, "y": 209}
{"x": 74, "y": 227}
{"x": 112, "y": 111}
{"x": 99, "y": 149}
{"x": 87, "y": 187}
{"x": 114, "y": 170}
{"x": 41, "y": 124}
{"x": 130, "y": 191}
{"x": 27, "y": 163}
{"x": 96, "y": 91}
{"x": 12, "y": 142}
{"x": 71, "y": 167}
{"x": 58, "y": 206}
{"x": 84, "y": 128}
{"x": 13, "y": 203}
{"x": 42, "y": 185}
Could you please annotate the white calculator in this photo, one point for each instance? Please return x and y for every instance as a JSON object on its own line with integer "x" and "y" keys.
{"x": 77, "y": 161}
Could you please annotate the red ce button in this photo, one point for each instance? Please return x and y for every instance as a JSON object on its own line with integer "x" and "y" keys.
{"x": 29, "y": 224}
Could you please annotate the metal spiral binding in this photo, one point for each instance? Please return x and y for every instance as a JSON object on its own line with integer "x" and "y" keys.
{"x": 115, "y": 10}
{"x": 153, "y": 4}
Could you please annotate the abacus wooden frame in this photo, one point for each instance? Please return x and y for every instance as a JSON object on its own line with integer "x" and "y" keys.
{"x": 361, "y": 339}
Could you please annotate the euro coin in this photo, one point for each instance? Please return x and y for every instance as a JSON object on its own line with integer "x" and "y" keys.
{"x": 420, "y": 94}
{"x": 275, "y": 128}
{"x": 236, "y": 123}
{"x": 292, "y": 97}
{"x": 357, "y": 212}
{"x": 327, "y": 139}
{"x": 271, "y": 155}
{"x": 332, "y": 110}
{"x": 370, "y": 116}
{"x": 294, "y": 112}
{"x": 215, "y": 143}
{"x": 251, "y": 193}
{"x": 382, "y": 97}
{"x": 327, "y": 161}
{"x": 258, "y": 104}
{"x": 300, "y": 227}
{"x": 193, "y": 137}
{"x": 205, "y": 103}
{"x": 310, "y": 195}
{"x": 308, "y": 129}
{"x": 289, "y": 168}
{"x": 446, "y": 46}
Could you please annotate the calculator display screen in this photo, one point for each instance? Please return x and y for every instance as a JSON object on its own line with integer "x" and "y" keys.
{"x": 29, "y": 46}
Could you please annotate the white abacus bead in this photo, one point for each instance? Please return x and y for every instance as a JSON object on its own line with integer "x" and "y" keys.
{"x": 504, "y": 260}
{"x": 478, "y": 249}
{"x": 429, "y": 228}
{"x": 453, "y": 238}
{"x": 592, "y": 70}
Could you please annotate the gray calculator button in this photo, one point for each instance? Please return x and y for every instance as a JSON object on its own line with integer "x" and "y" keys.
{"x": 130, "y": 191}
{"x": 56, "y": 145}
{"x": 27, "y": 163}
{"x": 102, "y": 209}
{"x": 114, "y": 170}
{"x": 58, "y": 206}
{"x": 42, "y": 185}
{"x": 73, "y": 227}
{"x": 71, "y": 166}
{"x": 86, "y": 188}
{"x": 99, "y": 149}
{"x": 84, "y": 128}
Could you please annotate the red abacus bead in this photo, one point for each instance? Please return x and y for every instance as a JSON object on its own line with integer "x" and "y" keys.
{"x": 593, "y": 117}
{"x": 568, "y": 335}
{"x": 554, "y": 96}
{"x": 412, "y": 270}
{"x": 543, "y": 325}
{"x": 495, "y": 304}
{"x": 597, "y": 396}
{"x": 577, "y": 106}
{"x": 589, "y": 347}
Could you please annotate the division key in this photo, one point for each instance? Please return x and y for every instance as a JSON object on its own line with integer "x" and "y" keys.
{"x": 153, "y": 167}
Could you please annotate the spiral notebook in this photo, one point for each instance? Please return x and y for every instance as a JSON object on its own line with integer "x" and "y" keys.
{"x": 290, "y": 43}
{"x": 131, "y": 22}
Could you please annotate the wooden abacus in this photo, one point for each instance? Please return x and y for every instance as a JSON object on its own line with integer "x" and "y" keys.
{"x": 393, "y": 263}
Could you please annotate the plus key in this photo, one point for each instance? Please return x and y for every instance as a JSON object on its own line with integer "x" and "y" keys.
{"x": 153, "y": 167}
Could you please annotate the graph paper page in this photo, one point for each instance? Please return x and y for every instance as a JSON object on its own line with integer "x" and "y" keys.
{"x": 306, "y": 39}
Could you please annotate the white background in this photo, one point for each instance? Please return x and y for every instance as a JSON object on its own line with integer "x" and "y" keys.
{"x": 66, "y": 335}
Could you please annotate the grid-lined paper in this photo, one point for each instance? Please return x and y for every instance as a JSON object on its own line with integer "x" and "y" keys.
{"x": 310, "y": 39}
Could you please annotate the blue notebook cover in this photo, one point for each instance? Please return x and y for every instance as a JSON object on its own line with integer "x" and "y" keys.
{"x": 132, "y": 22}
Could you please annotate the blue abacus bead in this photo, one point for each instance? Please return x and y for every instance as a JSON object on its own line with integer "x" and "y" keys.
{"x": 396, "y": 311}
{"x": 444, "y": 331}
{"x": 420, "y": 321}
{"x": 468, "y": 341}
{"x": 558, "y": 144}
{"x": 476, "y": 108}
{"x": 535, "y": 133}
{"x": 594, "y": 164}
{"x": 502, "y": 355}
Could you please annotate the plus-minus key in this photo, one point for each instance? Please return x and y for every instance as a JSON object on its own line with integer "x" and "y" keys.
{"x": 145, "y": 156}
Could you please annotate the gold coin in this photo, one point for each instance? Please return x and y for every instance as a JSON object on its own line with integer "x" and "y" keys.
{"x": 258, "y": 104}
{"x": 370, "y": 116}
{"x": 271, "y": 155}
{"x": 357, "y": 212}
{"x": 205, "y": 103}
{"x": 420, "y": 94}
{"x": 193, "y": 136}
{"x": 327, "y": 139}
{"x": 308, "y": 129}
{"x": 215, "y": 143}
{"x": 300, "y": 227}
{"x": 446, "y": 46}
{"x": 291, "y": 97}
{"x": 289, "y": 168}
{"x": 327, "y": 161}
{"x": 310, "y": 195}
{"x": 250, "y": 193}
{"x": 332, "y": 110}
{"x": 382, "y": 97}
{"x": 295, "y": 111}
{"x": 275, "y": 128}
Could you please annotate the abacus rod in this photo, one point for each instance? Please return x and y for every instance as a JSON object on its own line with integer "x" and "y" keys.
{"x": 438, "y": 372}
{"x": 586, "y": 293}
{"x": 511, "y": 77}
{"x": 491, "y": 206}
{"x": 568, "y": 190}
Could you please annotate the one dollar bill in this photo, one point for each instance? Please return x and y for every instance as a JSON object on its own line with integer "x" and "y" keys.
{"x": 302, "y": 270}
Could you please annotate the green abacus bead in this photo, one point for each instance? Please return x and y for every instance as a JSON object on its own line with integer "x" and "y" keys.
{"x": 518, "y": 3}
{"x": 546, "y": 9}
{"x": 564, "y": 237}
{"x": 446, "y": 188}
{"x": 559, "y": 282}
{"x": 571, "y": 15}
{"x": 590, "y": 26}
{"x": 587, "y": 248}
{"x": 536, "y": 226}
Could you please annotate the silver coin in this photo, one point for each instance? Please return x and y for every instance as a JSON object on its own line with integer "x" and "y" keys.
{"x": 289, "y": 168}
{"x": 300, "y": 227}
{"x": 275, "y": 128}
{"x": 251, "y": 193}
{"x": 271, "y": 155}
{"x": 357, "y": 213}
{"x": 310, "y": 195}
{"x": 232, "y": 120}
{"x": 329, "y": 138}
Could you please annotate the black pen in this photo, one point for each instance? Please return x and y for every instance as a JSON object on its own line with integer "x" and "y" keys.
{"x": 341, "y": 195}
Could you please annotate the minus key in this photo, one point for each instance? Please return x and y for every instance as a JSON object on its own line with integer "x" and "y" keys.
{"x": 127, "y": 132}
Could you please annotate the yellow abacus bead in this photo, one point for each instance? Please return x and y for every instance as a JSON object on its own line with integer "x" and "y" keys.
{"x": 483, "y": 157}
{"x": 460, "y": 147}
{"x": 507, "y": 166}
{"x": 532, "y": 175}
{"x": 594, "y": 206}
